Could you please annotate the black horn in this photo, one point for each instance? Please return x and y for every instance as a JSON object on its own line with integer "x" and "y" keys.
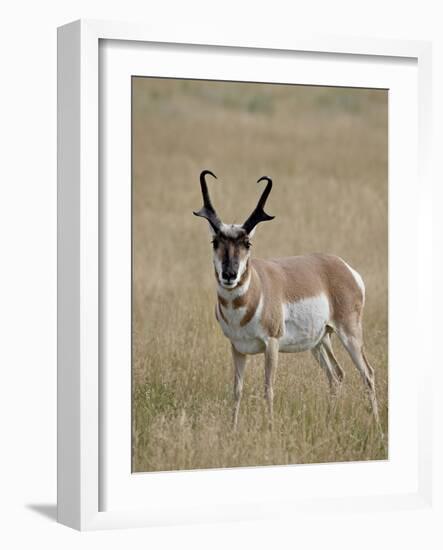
{"x": 208, "y": 211}
{"x": 259, "y": 215}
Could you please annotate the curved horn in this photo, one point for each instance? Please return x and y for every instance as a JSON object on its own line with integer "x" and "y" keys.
{"x": 259, "y": 215}
{"x": 208, "y": 211}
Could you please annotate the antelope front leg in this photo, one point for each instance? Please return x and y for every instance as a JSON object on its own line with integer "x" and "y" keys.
{"x": 271, "y": 360}
{"x": 239, "y": 370}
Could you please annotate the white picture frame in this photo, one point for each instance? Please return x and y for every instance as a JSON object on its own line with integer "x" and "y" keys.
{"x": 81, "y": 415}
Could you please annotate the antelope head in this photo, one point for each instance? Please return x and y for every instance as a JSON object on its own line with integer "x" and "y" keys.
{"x": 231, "y": 242}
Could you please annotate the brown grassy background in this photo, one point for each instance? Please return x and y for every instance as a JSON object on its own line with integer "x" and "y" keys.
{"x": 326, "y": 150}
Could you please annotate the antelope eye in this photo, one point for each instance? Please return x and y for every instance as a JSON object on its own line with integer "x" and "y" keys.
{"x": 247, "y": 244}
{"x": 215, "y": 243}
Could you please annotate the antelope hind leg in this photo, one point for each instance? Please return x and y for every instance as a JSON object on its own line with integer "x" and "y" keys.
{"x": 339, "y": 372}
{"x": 352, "y": 341}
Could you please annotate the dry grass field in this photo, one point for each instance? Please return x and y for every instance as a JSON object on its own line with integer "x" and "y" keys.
{"x": 326, "y": 150}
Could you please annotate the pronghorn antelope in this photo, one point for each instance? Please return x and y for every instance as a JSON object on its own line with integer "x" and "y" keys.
{"x": 287, "y": 304}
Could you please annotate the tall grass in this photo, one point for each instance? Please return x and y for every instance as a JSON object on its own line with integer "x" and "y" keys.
{"x": 326, "y": 150}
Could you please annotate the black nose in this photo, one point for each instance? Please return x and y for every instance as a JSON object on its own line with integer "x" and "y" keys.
{"x": 228, "y": 274}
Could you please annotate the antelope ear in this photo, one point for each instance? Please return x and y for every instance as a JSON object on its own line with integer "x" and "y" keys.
{"x": 212, "y": 231}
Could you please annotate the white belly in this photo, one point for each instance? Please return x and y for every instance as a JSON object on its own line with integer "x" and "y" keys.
{"x": 304, "y": 326}
{"x": 304, "y": 323}
{"x": 249, "y": 346}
